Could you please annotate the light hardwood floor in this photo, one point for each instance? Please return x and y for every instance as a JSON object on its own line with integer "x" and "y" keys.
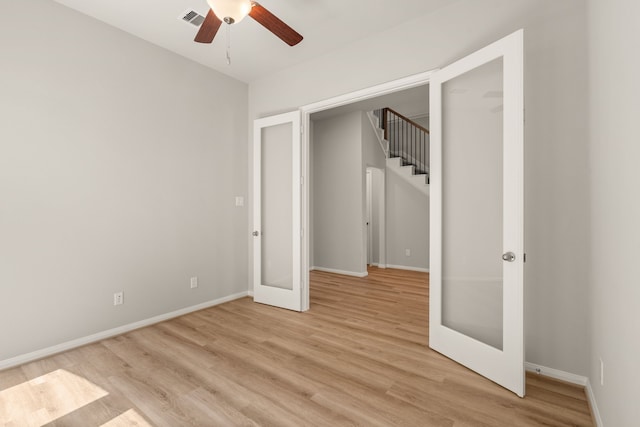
{"x": 358, "y": 357}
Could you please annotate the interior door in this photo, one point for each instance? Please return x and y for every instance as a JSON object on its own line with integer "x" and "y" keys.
{"x": 477, "y": 220}
{"x": 276, "y": 211}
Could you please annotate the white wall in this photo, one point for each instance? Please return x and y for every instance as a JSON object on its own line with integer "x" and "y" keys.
{"x": 407, "y": 214}
{"x": 614, "y": 68}
{"x": 556, "y": 165}
{"x": 338, "y": 191}
{"x": 119, "y": 163}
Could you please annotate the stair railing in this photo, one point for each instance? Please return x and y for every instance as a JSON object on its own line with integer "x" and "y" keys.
{"x": 407, "y": 139}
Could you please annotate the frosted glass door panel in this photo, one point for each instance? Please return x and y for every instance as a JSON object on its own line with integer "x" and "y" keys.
{"x": 276, "y": 202}
{"x": 472, "y": 176}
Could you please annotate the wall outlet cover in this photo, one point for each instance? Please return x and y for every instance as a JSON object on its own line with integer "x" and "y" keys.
{"x": 118, "y": 298}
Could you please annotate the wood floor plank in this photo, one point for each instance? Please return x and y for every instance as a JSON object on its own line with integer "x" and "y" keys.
{"x": 359, "y": 357}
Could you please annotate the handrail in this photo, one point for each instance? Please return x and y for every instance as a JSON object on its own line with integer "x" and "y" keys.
{"x": 406, "y": 119}
{"x": 406, "y": 139}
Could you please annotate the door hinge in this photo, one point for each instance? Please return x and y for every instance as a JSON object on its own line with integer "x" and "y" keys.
{"x": 302, "y": 180}
{"x": 524, "y": 257}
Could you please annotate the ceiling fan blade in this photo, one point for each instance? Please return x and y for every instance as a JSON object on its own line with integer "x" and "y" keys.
{"x": 275, "y": 25}
{"x": 209, "y": 28}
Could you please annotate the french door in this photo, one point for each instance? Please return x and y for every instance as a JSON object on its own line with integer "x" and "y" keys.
{"x": 477, "y": 219}
{"x": 276, "y": 211}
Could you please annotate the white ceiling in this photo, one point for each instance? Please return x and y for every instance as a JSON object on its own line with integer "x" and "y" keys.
{"x": 325, "y": 24}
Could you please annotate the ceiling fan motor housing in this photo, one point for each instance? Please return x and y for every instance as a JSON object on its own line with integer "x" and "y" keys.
{"x": 230, "y": 11}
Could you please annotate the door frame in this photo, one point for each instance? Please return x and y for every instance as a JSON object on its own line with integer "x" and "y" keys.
{"x": 408, "y": 82}
{"x": 378, "y": 215}
{"x": 369, "y": 209}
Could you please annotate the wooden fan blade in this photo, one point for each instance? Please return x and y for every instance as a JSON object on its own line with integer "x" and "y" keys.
{"x": 275, "y": 25}
{"x": 209, "y": 28}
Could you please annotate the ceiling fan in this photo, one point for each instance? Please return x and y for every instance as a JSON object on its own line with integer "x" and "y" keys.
{"x": 233, "y": 11}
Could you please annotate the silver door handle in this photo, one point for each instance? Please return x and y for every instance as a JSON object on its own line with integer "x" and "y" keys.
{"x": 509, "y": 256}
{"x": 256, "y": 233}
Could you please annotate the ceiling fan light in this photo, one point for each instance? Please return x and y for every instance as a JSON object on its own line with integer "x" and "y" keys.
{"x": 230, "y": 11}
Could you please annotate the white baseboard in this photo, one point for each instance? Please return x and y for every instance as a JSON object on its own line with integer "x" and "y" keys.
{"x": 405, "y": 267}
{"x": 557, "y": 374}
{"x": 573, "y": 379}
{"x": 250, "y": 293}
{"x": 344, "y": 272}
{"x": 49, "y": 351}
{"x": 593, "y": 405}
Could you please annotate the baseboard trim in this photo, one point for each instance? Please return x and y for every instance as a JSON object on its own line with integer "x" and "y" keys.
{"x": 556, "y": 374}
{"x": 573, "y": 379}
{"x": 595, "y": 413}
{"x": 250, "y": 293}
{"x": 405, "y": 267}
{"x": 49, "y": 351}
{"x": 343, "y": 272}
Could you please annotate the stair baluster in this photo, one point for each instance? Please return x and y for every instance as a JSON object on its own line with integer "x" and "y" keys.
{"x": 407, "y": 139}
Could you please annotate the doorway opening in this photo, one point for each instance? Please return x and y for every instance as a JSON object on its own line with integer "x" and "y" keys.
{"x": 346, "y": 200}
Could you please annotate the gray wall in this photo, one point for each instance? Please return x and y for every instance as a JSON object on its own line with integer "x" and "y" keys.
{"x": 372, "y": 153}
{"x": 343, "y": 147}
{"x": 407, "y": 223}
{"x": 407, "y": 219}
{"x": 119, "y": 163}
{"x": 556, "y": 165}
{"x": 338, "y": 188}
{"x": 614, "y": 68}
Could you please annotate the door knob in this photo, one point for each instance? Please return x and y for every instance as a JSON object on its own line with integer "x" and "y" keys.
{"x": 509, "y": 256}
{"x": 256, "y": 233}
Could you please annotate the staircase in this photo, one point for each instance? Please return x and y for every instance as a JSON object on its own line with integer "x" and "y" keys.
{"x": 406, "y": 146}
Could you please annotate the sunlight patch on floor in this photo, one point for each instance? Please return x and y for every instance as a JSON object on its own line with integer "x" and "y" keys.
{"x": 44, "y": 399}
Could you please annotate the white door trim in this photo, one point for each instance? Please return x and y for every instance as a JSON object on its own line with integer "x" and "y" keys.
{"x": 369, "y": 220}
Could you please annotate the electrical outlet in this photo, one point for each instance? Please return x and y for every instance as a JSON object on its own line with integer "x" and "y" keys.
{"x": 194, "y": 282}
{"x": 118, "y": 298}
{"x": 601, "y": 372}
{"x": 407, "y": 252}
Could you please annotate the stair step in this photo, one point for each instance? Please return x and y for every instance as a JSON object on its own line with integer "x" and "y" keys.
{"x": 420, "y": 178}
{"x": 408, "y": 170}
{"x": 417, "y": 180}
